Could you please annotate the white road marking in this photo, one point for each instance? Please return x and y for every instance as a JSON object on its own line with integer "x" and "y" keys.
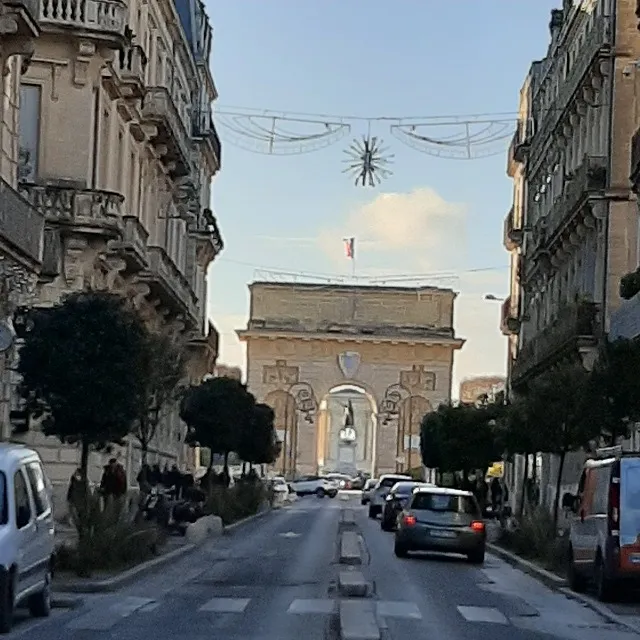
{"x": 390, "y": 609}
{"x": 290, "y": 534}
{"x": 482, "y": 614}
{"x": 226, "y": 605}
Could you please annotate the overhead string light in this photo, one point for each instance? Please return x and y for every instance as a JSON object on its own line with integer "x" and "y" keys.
{"x": 469, "y": 137}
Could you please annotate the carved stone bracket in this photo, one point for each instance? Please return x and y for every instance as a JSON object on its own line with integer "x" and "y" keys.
{"x": 306, "y": 402}
{"x": 110, "y": 267}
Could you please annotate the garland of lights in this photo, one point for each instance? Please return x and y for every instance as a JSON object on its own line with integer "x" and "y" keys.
{"x": 282, "y": 133}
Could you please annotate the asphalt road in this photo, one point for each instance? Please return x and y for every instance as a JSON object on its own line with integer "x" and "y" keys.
{"x": 275, "y": 579}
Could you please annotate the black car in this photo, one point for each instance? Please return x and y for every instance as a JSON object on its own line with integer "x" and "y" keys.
{"x": 396, "y": 501}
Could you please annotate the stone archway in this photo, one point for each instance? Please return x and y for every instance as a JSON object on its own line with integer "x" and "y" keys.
{"x": 412, "y": 410}
{"x": 286, "y": 422}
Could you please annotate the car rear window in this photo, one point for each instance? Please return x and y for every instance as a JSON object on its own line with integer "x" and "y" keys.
{"x": 443, "y": 502}
{"x": 405, "y": 489}
{"x": 389, "y": 482}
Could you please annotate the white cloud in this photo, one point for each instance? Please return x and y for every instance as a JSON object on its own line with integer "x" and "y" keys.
{"x": 421, "y": 222}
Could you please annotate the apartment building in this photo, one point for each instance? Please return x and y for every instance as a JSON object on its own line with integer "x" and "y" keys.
{"x": 577, "y": 234}
{"x": 21, "y": 225}
{"x": 116, "y": 150}
{"x": 574, "y": 230}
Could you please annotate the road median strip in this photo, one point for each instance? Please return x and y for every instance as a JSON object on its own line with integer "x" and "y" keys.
{"x": 350, "y": 548}
{"x": 358, "y": 620}
{"x": 352, "y": 584}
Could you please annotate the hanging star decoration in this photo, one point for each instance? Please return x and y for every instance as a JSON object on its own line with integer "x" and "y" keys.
{"x": 368, "y": 161}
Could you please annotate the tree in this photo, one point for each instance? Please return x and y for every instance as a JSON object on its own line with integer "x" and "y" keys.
{"x": 555, "y": 405}
{"x": 613, "y": 389}
{"x": 259, "y": 442}
{"x": 217, "y": 412}
{"x": 79, "y": 368}
{"x": 161, "y": 368}
{"x": 431, "y": 445}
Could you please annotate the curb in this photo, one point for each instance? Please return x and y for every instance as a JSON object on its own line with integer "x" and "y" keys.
{"x": 65, "y": 601}
{"x": 124, "y": 578}
{"x": 560, "y": 584}
{"x": 239, "y": 523}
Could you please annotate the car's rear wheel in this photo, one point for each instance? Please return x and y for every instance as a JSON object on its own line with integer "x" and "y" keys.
{"x": 385, "y": 525}
{"x": 6, "y": 604}
{"x": 400, "y": 550}
{"x": 40, "y": 603}
{"x": 476, "y": 557}
{"x": 577, "y": 582}
{"x": 605, "y": 587}
{"x": 320, "y": 492}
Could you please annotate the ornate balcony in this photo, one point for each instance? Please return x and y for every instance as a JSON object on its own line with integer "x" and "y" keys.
{"x": 102, "y": 20}
{"x": 21, "y": 224}
{"x": 209, "y": 241}
{"x": 160, "y": 111}
{"x": 203, "y": 352}
{"x": 588, "y": 181}
{"x": 131, "y": 63}
{"x": 169, "y": 285}
{"x": 133, "y": 244}
{"x": 509, "y": 323}
{"x": 513, "y": 236}
{"x": 204, "y": 129}
{"x": 517, "y": 153}
{"x": 88, "y": 211}
{"x": 576, "y": 328}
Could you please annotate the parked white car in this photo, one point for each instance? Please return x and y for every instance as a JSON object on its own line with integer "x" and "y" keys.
{"x": 318, "y": 485}
{"x": 26, "y": 534}
{"x": 379, "y": 494}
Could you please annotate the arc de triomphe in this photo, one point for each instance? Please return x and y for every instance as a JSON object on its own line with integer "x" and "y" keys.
{"x": 395, "y": 345}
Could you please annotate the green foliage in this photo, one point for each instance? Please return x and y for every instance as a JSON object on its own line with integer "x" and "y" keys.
{"x": 108, "y": 538}
{"x": 240, "y": 501}
{"x": 258, "y": 442}
{"x": 217, "y": 413}
{"x": 79, "y": 366}
{"x": 536, "y": 538}
{"x": 161, "y": 369}
{"x": 613, "y": 390}
{"x": 459, "y": 437}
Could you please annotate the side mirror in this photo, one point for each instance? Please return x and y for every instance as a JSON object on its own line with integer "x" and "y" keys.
{"x": 23, "y": 517}
{"x": 389, "y": 498}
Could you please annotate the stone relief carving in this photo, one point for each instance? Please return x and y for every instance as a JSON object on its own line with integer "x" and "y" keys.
{"x": 390, "y": 406}
{"x": 306, "y": 402}
{"x": 281, "y": 375}
{"x": 418, "y": 381}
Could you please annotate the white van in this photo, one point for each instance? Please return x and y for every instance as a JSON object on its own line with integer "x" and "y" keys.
{"x": 26, "y": 534}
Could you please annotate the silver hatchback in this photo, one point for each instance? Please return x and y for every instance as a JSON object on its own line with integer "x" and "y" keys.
{"x": 445, "y": 520}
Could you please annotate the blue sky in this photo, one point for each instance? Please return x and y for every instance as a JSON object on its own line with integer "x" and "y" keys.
{"x": 408, "y": 58}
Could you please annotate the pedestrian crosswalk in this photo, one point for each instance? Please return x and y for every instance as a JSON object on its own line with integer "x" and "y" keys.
{"x": 104, "y": 617}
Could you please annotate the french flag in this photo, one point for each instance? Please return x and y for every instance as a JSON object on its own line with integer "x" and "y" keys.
{"x": 350, "y": 248}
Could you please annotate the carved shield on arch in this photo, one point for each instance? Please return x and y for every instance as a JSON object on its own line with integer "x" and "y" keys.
{"x": 349, "y": 363}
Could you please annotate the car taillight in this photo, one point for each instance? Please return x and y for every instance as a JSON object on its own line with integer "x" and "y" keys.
{"x": 409, "y": 521}
{"x": 614, "y": 506}
{"x": 476, "y": 525}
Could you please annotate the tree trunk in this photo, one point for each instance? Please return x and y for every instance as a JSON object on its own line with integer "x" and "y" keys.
{"x": 144, "y": 448}
{"x": 244, "y": 469}
{"x": 556, "y": 501}
{"x": 227, "y": 476}
{"x": 523, "y": 493}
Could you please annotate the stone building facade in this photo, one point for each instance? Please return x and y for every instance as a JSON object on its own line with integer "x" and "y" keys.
{"x": 479, "y": 388}
{"x": 396, "y": 345}
{"x": 116, "y": 150}
{"x": 578, "y": 232}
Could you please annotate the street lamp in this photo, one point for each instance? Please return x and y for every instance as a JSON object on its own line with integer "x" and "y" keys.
{"x": 492, "y": 298}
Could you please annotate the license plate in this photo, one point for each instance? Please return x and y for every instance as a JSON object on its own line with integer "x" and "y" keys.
{"x": 635, "y": 558}
{"x": 442, "y": 534}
